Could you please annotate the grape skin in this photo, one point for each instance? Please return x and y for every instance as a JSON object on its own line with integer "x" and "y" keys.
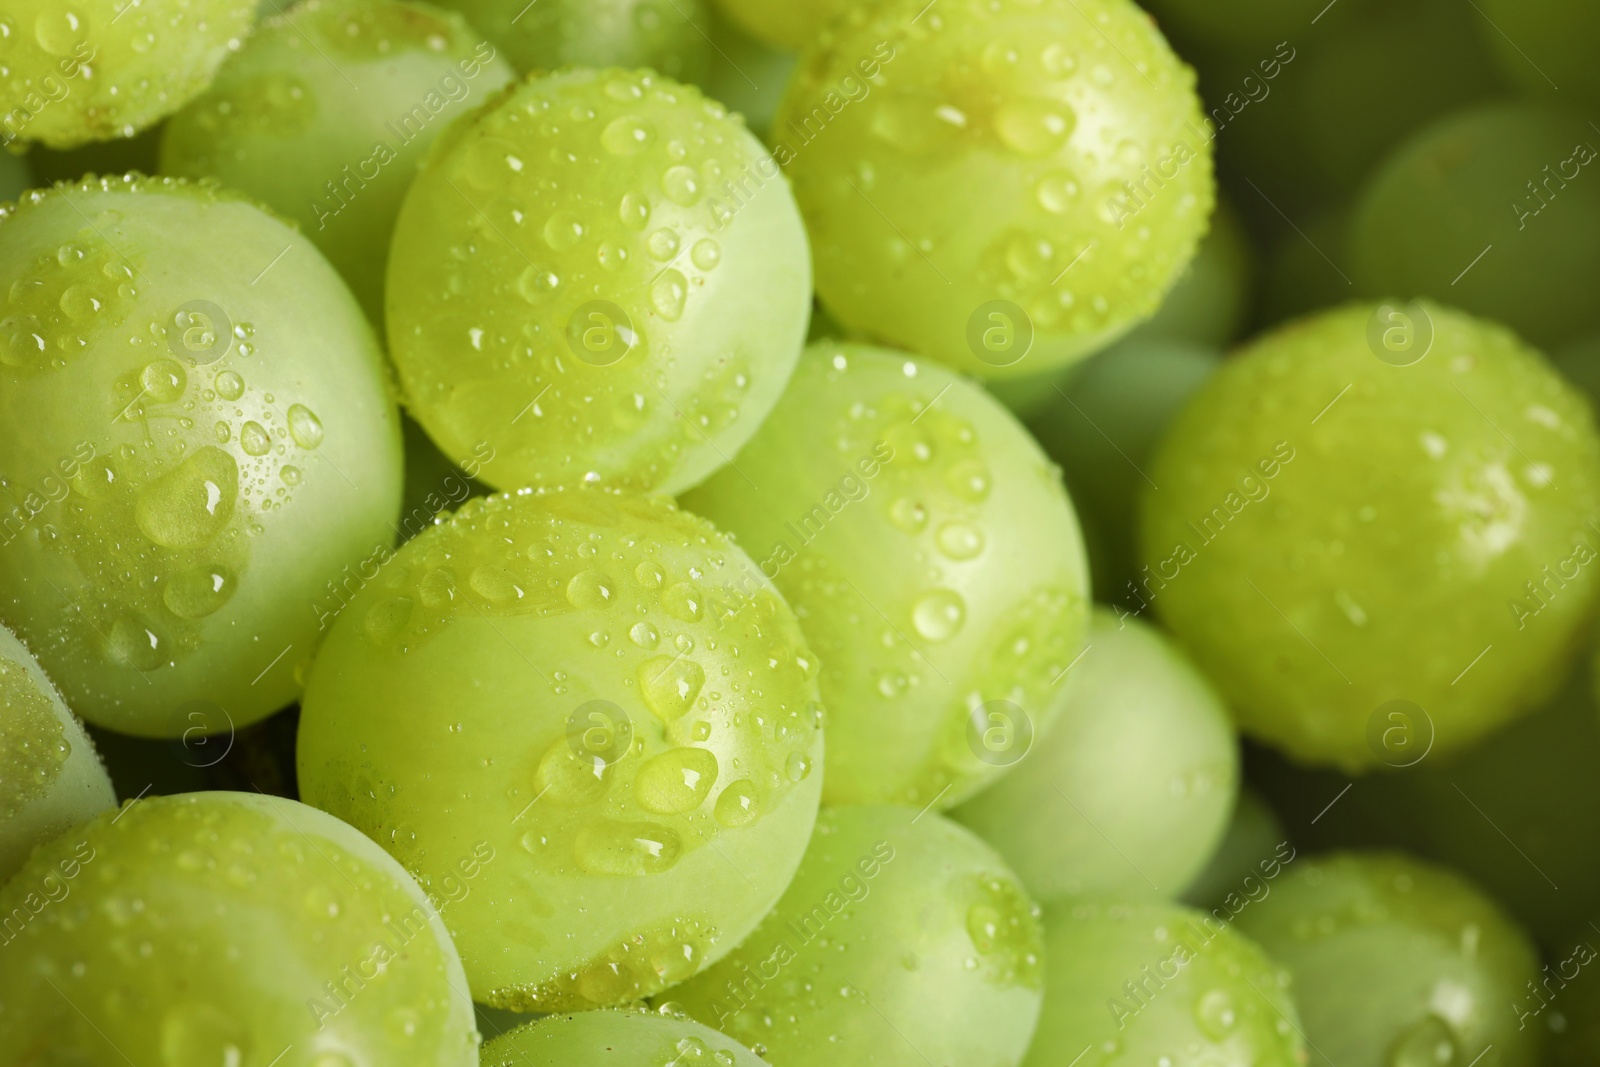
{"x": 607, "y": 1038}
{"x": 664, "y": 35}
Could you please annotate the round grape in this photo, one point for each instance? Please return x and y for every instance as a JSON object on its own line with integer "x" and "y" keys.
{"x": 786, "y": 24}
{"x": 903, "y": 938}
{"x": 1354, "y": 509}
{"x": 611, "y": 1038}
{"x": 668, "y": 36}
{"x": 226, "y": 928}
{"x": 326, "y": 114}
{"x": 50, "y": 777}
{"x": 1397, "y": 963}
{"x": 635, "y": 712}
{"x": 1066, "y": 236}
{"x": 198, "y": 437}
{"x": 1128, "y": 793}
{"x": 932, "y": 557}
{"x": 74, "y": 71}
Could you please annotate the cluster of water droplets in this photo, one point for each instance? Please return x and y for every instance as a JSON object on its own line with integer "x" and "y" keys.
{"x": 33, "y": 745}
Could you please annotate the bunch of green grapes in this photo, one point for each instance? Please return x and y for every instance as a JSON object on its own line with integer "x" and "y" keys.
{"x": 902, "y": 939}
{"x": 669, "y": 36}
{"x": 1364, "y": 507}
{"x": 606, "y": 693}
{"x": 786, "y": 24}
{"x": 1492, "y": 210}
{"x": 226, "y": 928}
{"x": 50, "y": 777}
{"x": 1161, "y": 984}
{"x": 933, "y": 558}
{"x": 1129, "y": 792}
{"x": 1397, "y": 963}
{"x": 75, "y": 71}
{"x": 603, "y": 275}
{"x": 200, "y": 450}
{"x": 326, "y": 114}
{"x": 612, "y": 1038}
{"x": 1545, "y": 46}
{"x": 1006, "y": 187}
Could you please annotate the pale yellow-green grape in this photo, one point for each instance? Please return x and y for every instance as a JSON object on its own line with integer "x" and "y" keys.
{"x": 50, "y": 777}
{"x": 1544, "y": 45}
{"x": 1253, "y": 847}
{"x": 1006, "y": 187}
{"x": 1129, "y": 792}
{"x": 609, "y": 693}
{"x": 15, "y": 175}
{"x": 197, "y": 442}
{"x": 786, "y": 24}
{"x": 326, "y": 114}
{"x": 745, "y": 74}
{"x": 1396, "y": 963}
{"x": 1355, "y": 511}
{"x": 616, "y": 1039}
{"x": 226, "y": 928}
{"x": 668, "y": 36}
{"x": 74, "y": 71}
{"x": 932, "y": 557}
{"x": 1159, "y": 984}
{"x": 568, "y": 285}
{"x": 903, "y": 939}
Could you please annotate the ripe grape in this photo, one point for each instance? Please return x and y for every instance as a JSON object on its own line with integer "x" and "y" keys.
{"x": 15, "y": 175}
{"x": 1129, "y": 792}
{"x": 1156, "y": 983}
{"x": 1067, "y": 132}
{"x": 572, "y": 280}
{"x": 903, "y": 938}
{"x": 787, "y": 24}
{"x": 610, "y": 694}
{"x": 226, "y": 928}
{"x": 198, "y": 437}
{"x": 1336, "y": 527}
{"x": 1396, "y": 962}
{"x": 326, "y": 114}
{"x": 1545, "y": 45}
{"x": 668, "y": 36}
{"x": 607, "y": 1038}
{"x": 932, "y": 557}
{"x": 1254, "y": 838}
{"x": 50, "y": 777}
{"x": 93, "y": 70}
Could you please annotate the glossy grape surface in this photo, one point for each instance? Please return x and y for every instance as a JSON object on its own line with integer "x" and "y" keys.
{"x": 326, "y": 114}
{"x": 668, "y": 36}
{"x": 198, "y": 439}
{"x": 571, "y": 283}
{"x": 1037, "y": 119}
{"x": 226, "y": 928}
{"x": 608, "y": 694}
{"x": 902, "y": 939}
{"x": 1332, "y": 532}
{"x": 932, "y": 557}
{"x": 615, "y": 1039}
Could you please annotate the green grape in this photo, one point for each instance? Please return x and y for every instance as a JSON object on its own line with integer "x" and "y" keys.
{"x": 50, "y": 777}
{"x": 197, "y": 438}
{"x": 15, "y": 175}
{"x": 1396, "y": 963}
{"x": 1545, "y": 45}
{"x": 903, "y": 939}
{"x": 1247, "y": 850}
{"x": 571, "y": 287}
{"x": 1355, "y": 509}
{"x": 614, "y": 1038}
{"x": 786, "y": 24}
{"x": 75, "y": 71}
{"x": 327, "y": 113}
{"x": 1159, "y": 984}
{"x": 226, "y": 928}
{"x": 1067, "y": 235}
{"x": 745, "y": 74}
{"x": 634, "y": 708}
{"x": 932, "y": 557}
{"x": 668, "y": 36}
{"x": 1489, "y": 209}
{"x": 1129, "y": 792}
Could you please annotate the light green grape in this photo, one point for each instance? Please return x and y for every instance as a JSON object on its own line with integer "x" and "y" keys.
{"x": 1129, "y": 792}
{"x": 568, "y": 285}
{"x": 966, "y": 195}
{"x": 226, "y": 928}
{"x": 613, "y": 1039}
{"x": 746, "y": 74}
{"x": 932, "y": 557}
{"x": 786, "y": 24}
{"x": 1491, "y": 210}
{"x": 1160, "y": 984}
{"x": 15, "y": 175}
{"x": 1544, "y": 45}
{"x": 74, "y": 71}
{"x": 668, "y": 36}
{"x": 198, "y": 442}
{"x": 326, "y": 114}
{"x": 610, "y": 695}
{"x": 902, "y": 939}
{"x": 50, "y": 777}
{"x": 1396, "y": 963}
{"x": 1246, "y": 853}
{"x": 1354, "y": 509}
